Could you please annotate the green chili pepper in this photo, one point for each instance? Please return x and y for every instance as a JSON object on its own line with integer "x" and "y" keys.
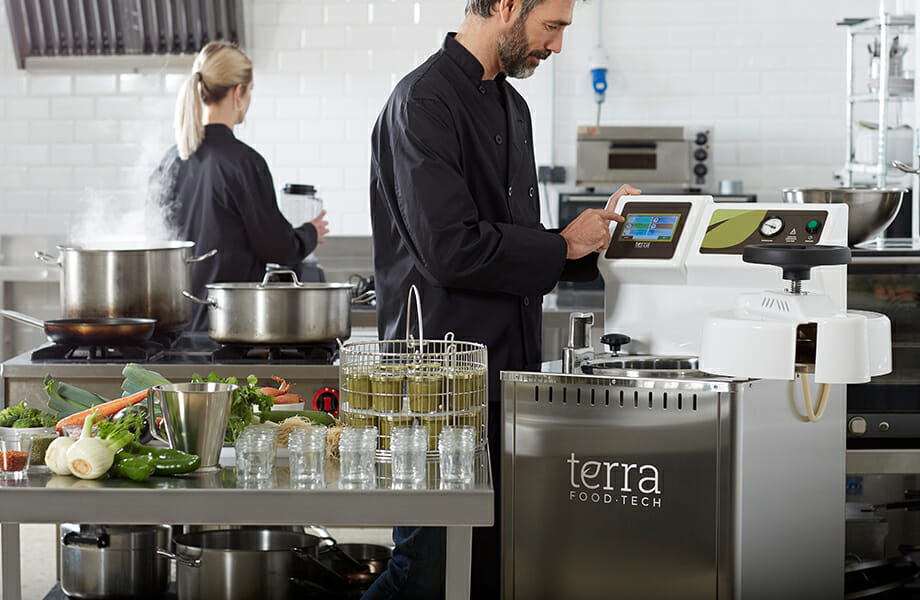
{"x": 167, "y": 460}
{"x": 136, "y": 467}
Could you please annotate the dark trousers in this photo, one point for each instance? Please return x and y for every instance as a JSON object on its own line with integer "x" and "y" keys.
{"x": 416, "y": 571}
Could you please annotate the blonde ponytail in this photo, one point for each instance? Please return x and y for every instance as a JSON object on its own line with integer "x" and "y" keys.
{"x": 218, "y": 68}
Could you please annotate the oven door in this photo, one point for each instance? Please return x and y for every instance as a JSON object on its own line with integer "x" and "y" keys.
{"x": 639, "y": 162}
{"x": 885, "y": 413}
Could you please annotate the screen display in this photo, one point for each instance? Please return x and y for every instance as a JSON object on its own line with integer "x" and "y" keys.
{"x": 649, "y": 227}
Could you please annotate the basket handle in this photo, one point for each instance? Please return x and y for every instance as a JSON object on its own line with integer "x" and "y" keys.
{"x": 418, "y": 311}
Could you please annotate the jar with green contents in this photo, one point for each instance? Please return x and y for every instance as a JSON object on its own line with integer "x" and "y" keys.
{"x": 434, "y": 424}
{"x": 360, "y": 420}
{"x": 459, "y": 390}
{"x": 41, "y": 439}
{"x": 425, "y": 390}
{"x": 468, "y": 418}
{"x": 387, "y": 388}
{"x": 386, "y": 425}
{"x": 357, "y": 388}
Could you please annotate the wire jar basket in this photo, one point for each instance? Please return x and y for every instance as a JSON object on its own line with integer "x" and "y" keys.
{"x": 421, "y": 383}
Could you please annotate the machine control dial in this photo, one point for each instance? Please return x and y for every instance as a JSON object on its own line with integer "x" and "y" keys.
{"x": 813, "y": 226}
{"x": 771, "y": 226}
{"x": 701, "y": 139}
{"x": 700, "y": 170}
{"x": 857, "y": 426}
{"x": 700, "y": 154}
{"x": 884, "y": 426}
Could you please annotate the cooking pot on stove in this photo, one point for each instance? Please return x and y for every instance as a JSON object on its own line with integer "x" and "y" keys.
{"x": 114, "y": 561}
{"x": 276, "y": 312}
{"x": 141, "y": 282}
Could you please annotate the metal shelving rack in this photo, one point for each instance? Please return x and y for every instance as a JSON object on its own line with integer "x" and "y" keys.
{"x": 885, "y": 26}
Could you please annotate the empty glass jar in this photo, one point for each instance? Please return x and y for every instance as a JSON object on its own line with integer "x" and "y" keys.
{"x": 307, "y": 448}
{"x": 456, "y": 447}
{"x": 357, "y": 454}
{"x": 408, "y": 447}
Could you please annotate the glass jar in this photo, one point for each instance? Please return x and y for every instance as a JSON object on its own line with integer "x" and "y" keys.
{"x": 299, "y": 203}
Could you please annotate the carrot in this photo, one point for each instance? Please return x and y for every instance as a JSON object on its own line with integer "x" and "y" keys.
{"x": 103, "y": 411}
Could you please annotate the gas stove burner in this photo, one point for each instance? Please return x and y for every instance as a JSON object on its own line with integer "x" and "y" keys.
{"x": 140, "y": 352}
{"x": 318, "y": 353}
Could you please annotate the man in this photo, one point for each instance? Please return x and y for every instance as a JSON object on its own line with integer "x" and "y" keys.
{"x": 455, "y": 211}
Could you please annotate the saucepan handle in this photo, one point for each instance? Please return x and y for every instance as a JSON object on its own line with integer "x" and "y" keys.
{"x": 210, "y": 302}
{"x": 905, "y": 167}
{"x": 205, "y": 256}
{"x": 47, "y": 258}
{"x": 153, "y": 421}
{"x": 364, "y": 298}
{"x": 185, "y": 560}
{"x": 25, "y": 319}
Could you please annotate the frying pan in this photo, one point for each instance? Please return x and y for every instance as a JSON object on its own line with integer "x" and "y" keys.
{"x": 89, "y": 332}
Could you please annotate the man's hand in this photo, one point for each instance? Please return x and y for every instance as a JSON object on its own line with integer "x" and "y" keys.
{"x": 590, "y": 231}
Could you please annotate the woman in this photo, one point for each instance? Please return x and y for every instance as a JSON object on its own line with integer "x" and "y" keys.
{"x": 217, "y": 191}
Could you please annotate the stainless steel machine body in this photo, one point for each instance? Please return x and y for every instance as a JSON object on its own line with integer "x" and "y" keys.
{"x": 640, "y": 477}
{"x": 650, "y": 487}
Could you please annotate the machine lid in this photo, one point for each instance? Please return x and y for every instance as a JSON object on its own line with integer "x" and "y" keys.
{"x": 646, "y": 366}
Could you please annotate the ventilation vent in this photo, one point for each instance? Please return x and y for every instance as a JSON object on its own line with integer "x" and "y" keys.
{"x": 774, "y": 304}
{"x": 58, "y": 33}
{"x": 616, "y": 398}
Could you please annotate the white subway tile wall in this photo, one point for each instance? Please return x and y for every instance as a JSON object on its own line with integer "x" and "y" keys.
{"x": 769, "y": 76}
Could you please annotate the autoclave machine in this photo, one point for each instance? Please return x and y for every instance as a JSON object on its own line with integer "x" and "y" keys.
{"x": 643, "y": 475}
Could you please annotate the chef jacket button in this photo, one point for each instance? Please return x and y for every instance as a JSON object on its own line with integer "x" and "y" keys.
{"x": 498, "y": 139}
{"x": 526, "y": 301}
{"x": 530, "y": 192}
{"x": 482, "y": 89}
{"x": 509, "y": 191}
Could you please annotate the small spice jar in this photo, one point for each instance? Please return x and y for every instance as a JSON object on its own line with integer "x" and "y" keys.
{"x": 14, "y": 457}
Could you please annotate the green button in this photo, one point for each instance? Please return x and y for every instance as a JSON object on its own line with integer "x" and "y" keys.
{"x": 812, "y": 224}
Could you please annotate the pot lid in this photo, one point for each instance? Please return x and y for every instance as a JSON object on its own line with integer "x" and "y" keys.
{"x": 279, "y": 285}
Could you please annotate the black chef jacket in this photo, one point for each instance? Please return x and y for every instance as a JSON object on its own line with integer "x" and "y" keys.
{"x": 455, "y": 210}
{"x": 223, "y": 197}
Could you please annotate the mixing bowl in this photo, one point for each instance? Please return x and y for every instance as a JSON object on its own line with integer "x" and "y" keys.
{"x": 871, "y": 209}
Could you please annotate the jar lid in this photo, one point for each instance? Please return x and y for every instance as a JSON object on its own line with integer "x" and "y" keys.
{"x": 300, "y": 189}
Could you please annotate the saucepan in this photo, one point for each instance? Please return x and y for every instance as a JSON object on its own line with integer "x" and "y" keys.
{"x": 89, "y": 332}
{"x": 273, "y": 312}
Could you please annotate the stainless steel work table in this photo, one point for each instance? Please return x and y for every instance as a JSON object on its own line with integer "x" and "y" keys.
{"x": 217, "y": 497}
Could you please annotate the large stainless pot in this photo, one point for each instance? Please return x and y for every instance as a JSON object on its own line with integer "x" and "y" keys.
{"x": 114, "y": 561}
{"x": 871, "y": 209}
{"x": 279, "y": 312}
{"x": 239, "y": 564}
{"x": 143, "y": 282}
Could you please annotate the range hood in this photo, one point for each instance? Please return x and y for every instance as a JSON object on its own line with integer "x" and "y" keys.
{"x": 61, "y": 34}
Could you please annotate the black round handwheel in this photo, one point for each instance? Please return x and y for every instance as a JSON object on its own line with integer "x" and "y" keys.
{"x": 797, "y": 260}
{"x": 615, "y": 341}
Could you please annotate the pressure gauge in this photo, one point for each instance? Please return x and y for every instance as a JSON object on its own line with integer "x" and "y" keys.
{"x": 771, "y": 226}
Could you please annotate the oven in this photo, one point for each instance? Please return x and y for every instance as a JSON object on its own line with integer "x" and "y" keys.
{"x": 883, "y": 422}
{"x": 675, "y": 160}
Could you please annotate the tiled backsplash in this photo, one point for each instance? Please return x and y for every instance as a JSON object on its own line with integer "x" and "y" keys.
{"x": 769, "y": 75}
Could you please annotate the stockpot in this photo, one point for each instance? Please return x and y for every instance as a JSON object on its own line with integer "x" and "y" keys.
{"x": 114, "y": 561}
{"x": 273, "y": 312}
{"x": 138, "y": 282}
{"x": 240, "y": 563}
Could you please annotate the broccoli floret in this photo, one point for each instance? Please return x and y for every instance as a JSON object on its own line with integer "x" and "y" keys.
{"x": 16, "y": 411}
{"x": 30, "y": 413}
{"x": 48, "y": 420}
{"x": 23, "y": 423}
{"x": 7, "y": 418}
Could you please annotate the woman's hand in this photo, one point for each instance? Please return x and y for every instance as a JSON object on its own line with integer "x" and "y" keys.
{"x": 322, "y": 226}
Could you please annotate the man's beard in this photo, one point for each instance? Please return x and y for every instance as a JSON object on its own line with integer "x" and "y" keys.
{"x": 513, "y": 52}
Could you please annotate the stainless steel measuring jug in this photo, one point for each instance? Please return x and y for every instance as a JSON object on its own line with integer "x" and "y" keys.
{"x": 196, "y": 416}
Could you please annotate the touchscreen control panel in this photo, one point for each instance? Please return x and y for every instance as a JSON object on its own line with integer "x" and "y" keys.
{"x": 651, "y": 230}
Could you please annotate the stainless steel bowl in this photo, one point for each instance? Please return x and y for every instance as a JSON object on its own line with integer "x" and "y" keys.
{"x": 871, "y": 209}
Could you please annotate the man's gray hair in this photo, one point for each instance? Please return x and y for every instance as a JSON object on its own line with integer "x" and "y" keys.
{"x": 483, "y": 8}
